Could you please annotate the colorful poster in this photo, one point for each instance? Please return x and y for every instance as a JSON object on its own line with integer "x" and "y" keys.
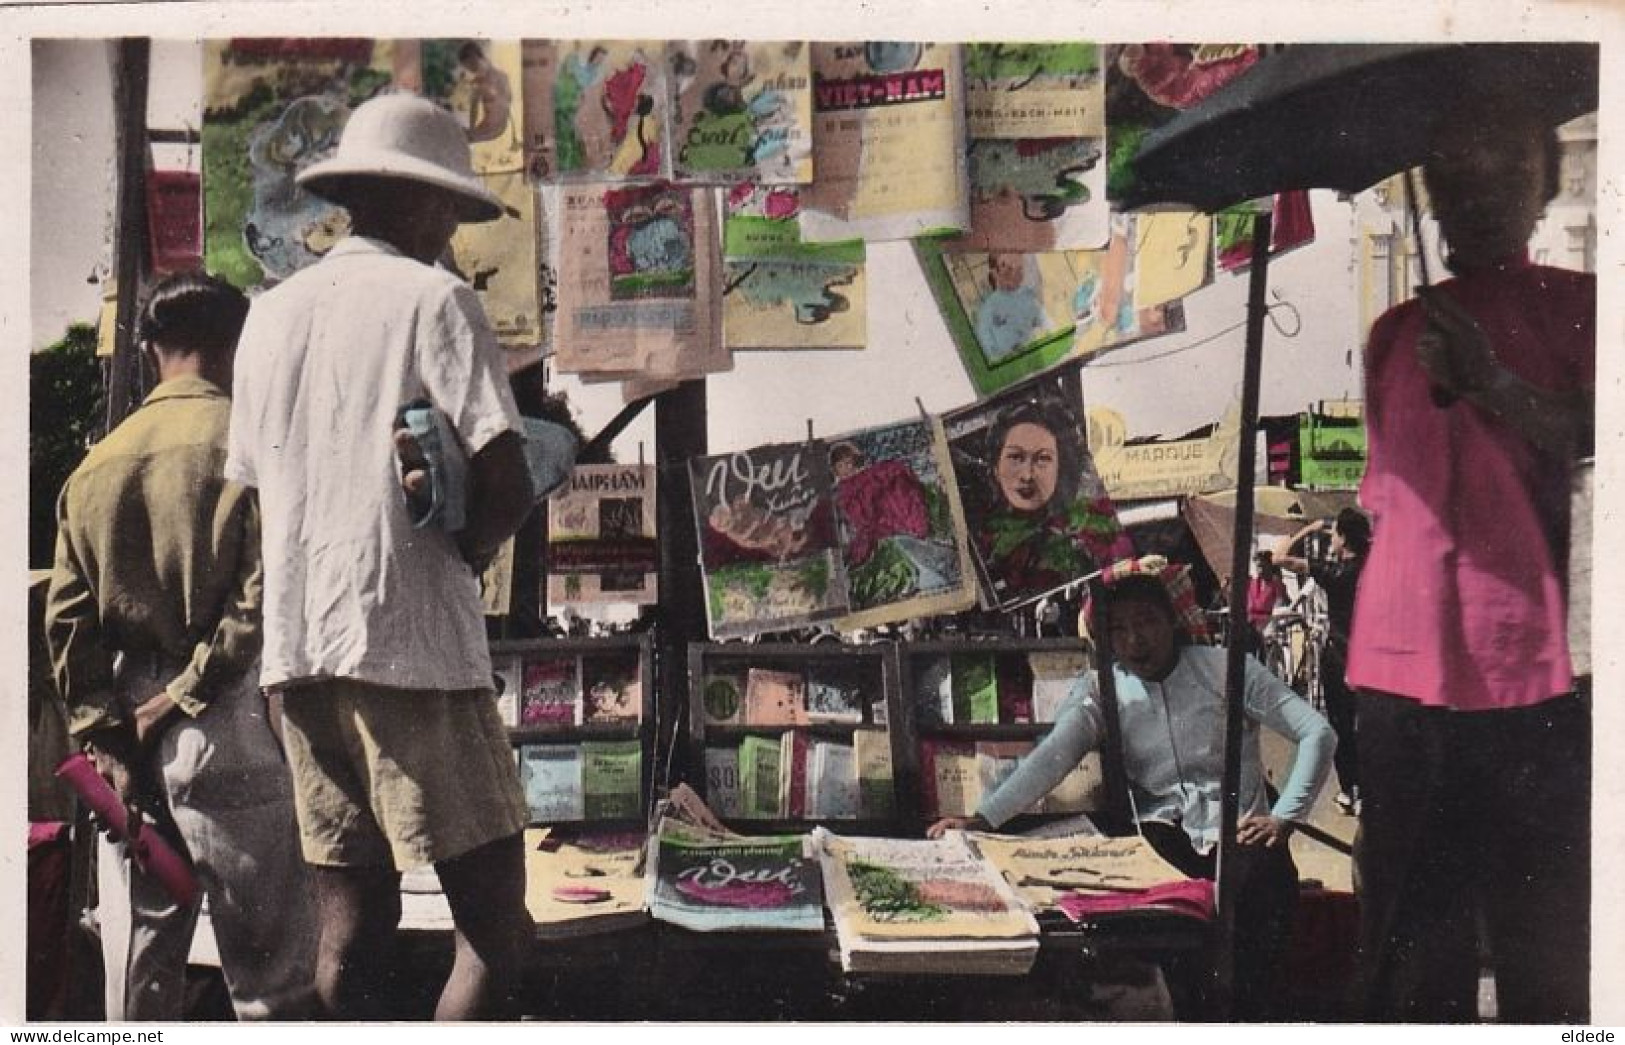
{"x": 1036, "y": 124}
{"x": 741, "y": 110}
{"x": 1039, "y": 516}
{"x": 271, "y": 108}
{"x": 595, "y": 110}
{"x": 1149, "y": 84}
{"x": 780, "y": 292}
{"x": 889, "y": 132}
{"x": 902, "y": 527}
{"x": 601, "y": 540}
{"x": 767, "y": 534}
{"x": 476, "y": 79}
{"x": 638, "y": 296}
{"x": 1104, "y": 306}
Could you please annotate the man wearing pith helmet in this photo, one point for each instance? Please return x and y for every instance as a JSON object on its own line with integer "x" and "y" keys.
{"x": 374, "y": 630}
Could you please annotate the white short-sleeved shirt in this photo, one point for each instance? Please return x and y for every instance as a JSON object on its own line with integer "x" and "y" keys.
{"x": 325, "y": 362}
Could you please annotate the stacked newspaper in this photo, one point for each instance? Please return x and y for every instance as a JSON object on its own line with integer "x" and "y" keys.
{"x": 923, "y": 906}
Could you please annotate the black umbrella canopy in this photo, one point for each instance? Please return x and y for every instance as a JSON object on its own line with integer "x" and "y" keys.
{"x": 1345, "y": 116}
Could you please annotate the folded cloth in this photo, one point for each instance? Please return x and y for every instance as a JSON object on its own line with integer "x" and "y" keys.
{"x": 550, "y": 456}
{"x": 1192, "y": 897}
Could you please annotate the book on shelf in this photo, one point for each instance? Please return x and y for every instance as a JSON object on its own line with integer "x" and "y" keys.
{"x": 722, "y": 779}
{"x": 552, "y": 776}
{"x": 708, "y": 884}
{"x": 1015, "y": 688}
{"x": 949, "y": 781}
{"x": 934, "y": 691}
{"x": 611, "y": 689}
{"x": 794, "y": 751}
{"x": 975, "y": 688}
{"x": 612, "y": 779}
{"x": 923, "y": 906}
{"x": 775, "y": 698}
{"x": 1055, "y": 675}
{"x": 832, "y": 782}
{"x": 584, "y": 881}
{"x": 723, "y": 698}
{"x": 508, "y": 678}
{"x": 759, "y": 778}
{"x": 835, "y": 692}
{"x": 552, "y": 692}
{"x": 877, "y": 795}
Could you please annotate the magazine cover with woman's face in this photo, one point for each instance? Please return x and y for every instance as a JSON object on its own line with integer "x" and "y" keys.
{"x": 1038, "y": 514}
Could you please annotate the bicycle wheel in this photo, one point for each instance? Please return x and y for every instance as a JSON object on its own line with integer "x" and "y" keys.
{"x": 1277, "y": 659}
{"x": 1314, "y": 687}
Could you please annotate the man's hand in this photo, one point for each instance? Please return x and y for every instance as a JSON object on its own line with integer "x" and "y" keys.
{"x": 1268, "y": 831}
{"x": 414, "y": 470}
{"x": 119, "y": 762}
{"x": 152, "y": 716}
{"x": 1453, "y": 350}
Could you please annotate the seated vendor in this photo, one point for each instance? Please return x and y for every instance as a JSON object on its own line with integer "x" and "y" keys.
{"x": 1171, "y": 706}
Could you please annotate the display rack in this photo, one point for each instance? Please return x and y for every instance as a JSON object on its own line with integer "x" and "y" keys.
{"x": 735, "y": 717}
{"x": 965, "y": 709}
{"x": 589, "y": 701}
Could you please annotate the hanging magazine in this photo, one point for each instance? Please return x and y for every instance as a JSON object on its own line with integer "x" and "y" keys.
{"x": 638, "y": 293}
{"x": 1036, "y": 123}
{"x": 902, "y": 529}
{"x": 780, "y": 292}
{"x": 1038, "y": 514}
{"x": 889, "y": 124}
{"x": 741, "y": 110}
{"x": 595, "y": 110}
{"x": 479, "y": 81}
{"x": 271, "y": 108}
{"x": 601, "y": 543}
{"x": 1013, "y": 315}
{"x": 766, "y": 524}
{"x": 707, "y": 884}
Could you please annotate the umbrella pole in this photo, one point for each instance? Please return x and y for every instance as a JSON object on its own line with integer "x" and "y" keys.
{"x": 1236, "y": 665}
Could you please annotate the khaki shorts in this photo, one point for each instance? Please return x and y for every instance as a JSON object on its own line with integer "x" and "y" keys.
{"x": 400, "y": 777}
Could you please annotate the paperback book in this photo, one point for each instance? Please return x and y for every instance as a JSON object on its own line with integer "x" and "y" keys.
{"x": 551, "y": 775}
{"x": 552, "y": 692}
{"x": 612, "y": 779}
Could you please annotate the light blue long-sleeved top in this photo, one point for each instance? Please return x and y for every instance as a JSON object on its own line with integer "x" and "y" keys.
{"x": 1173, "y": 746}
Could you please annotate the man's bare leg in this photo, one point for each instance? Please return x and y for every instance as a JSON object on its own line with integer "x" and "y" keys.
{"x": 360, "y": 909}
{"x": 486, "y": 890}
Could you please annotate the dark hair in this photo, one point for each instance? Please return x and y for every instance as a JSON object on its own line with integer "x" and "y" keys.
{"x": 1051, "y": 417}
{"x": 1501, "y": 116}
{"x": 1140, "y": 587}
{"x": 1355, "y": 529}
{"x": 193, "y": 312}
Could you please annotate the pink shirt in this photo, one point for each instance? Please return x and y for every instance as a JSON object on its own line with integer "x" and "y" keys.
{"x": 1461, "y": 603}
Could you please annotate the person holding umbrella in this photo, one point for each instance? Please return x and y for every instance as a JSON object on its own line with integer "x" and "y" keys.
{"x": 1474, "y": 747}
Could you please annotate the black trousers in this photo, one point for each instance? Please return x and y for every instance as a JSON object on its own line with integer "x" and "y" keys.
{"x": 1266, "y": 899}
{"x": 1341, "y": 713}
{"x": 1474, "y": 820}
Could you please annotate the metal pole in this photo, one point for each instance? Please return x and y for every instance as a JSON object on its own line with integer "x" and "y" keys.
{"x": 1236, "y": 665}
{"x": 680, "y": 433}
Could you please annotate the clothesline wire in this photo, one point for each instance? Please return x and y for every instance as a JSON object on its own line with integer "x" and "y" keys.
{"x": 1269, "y": 313}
